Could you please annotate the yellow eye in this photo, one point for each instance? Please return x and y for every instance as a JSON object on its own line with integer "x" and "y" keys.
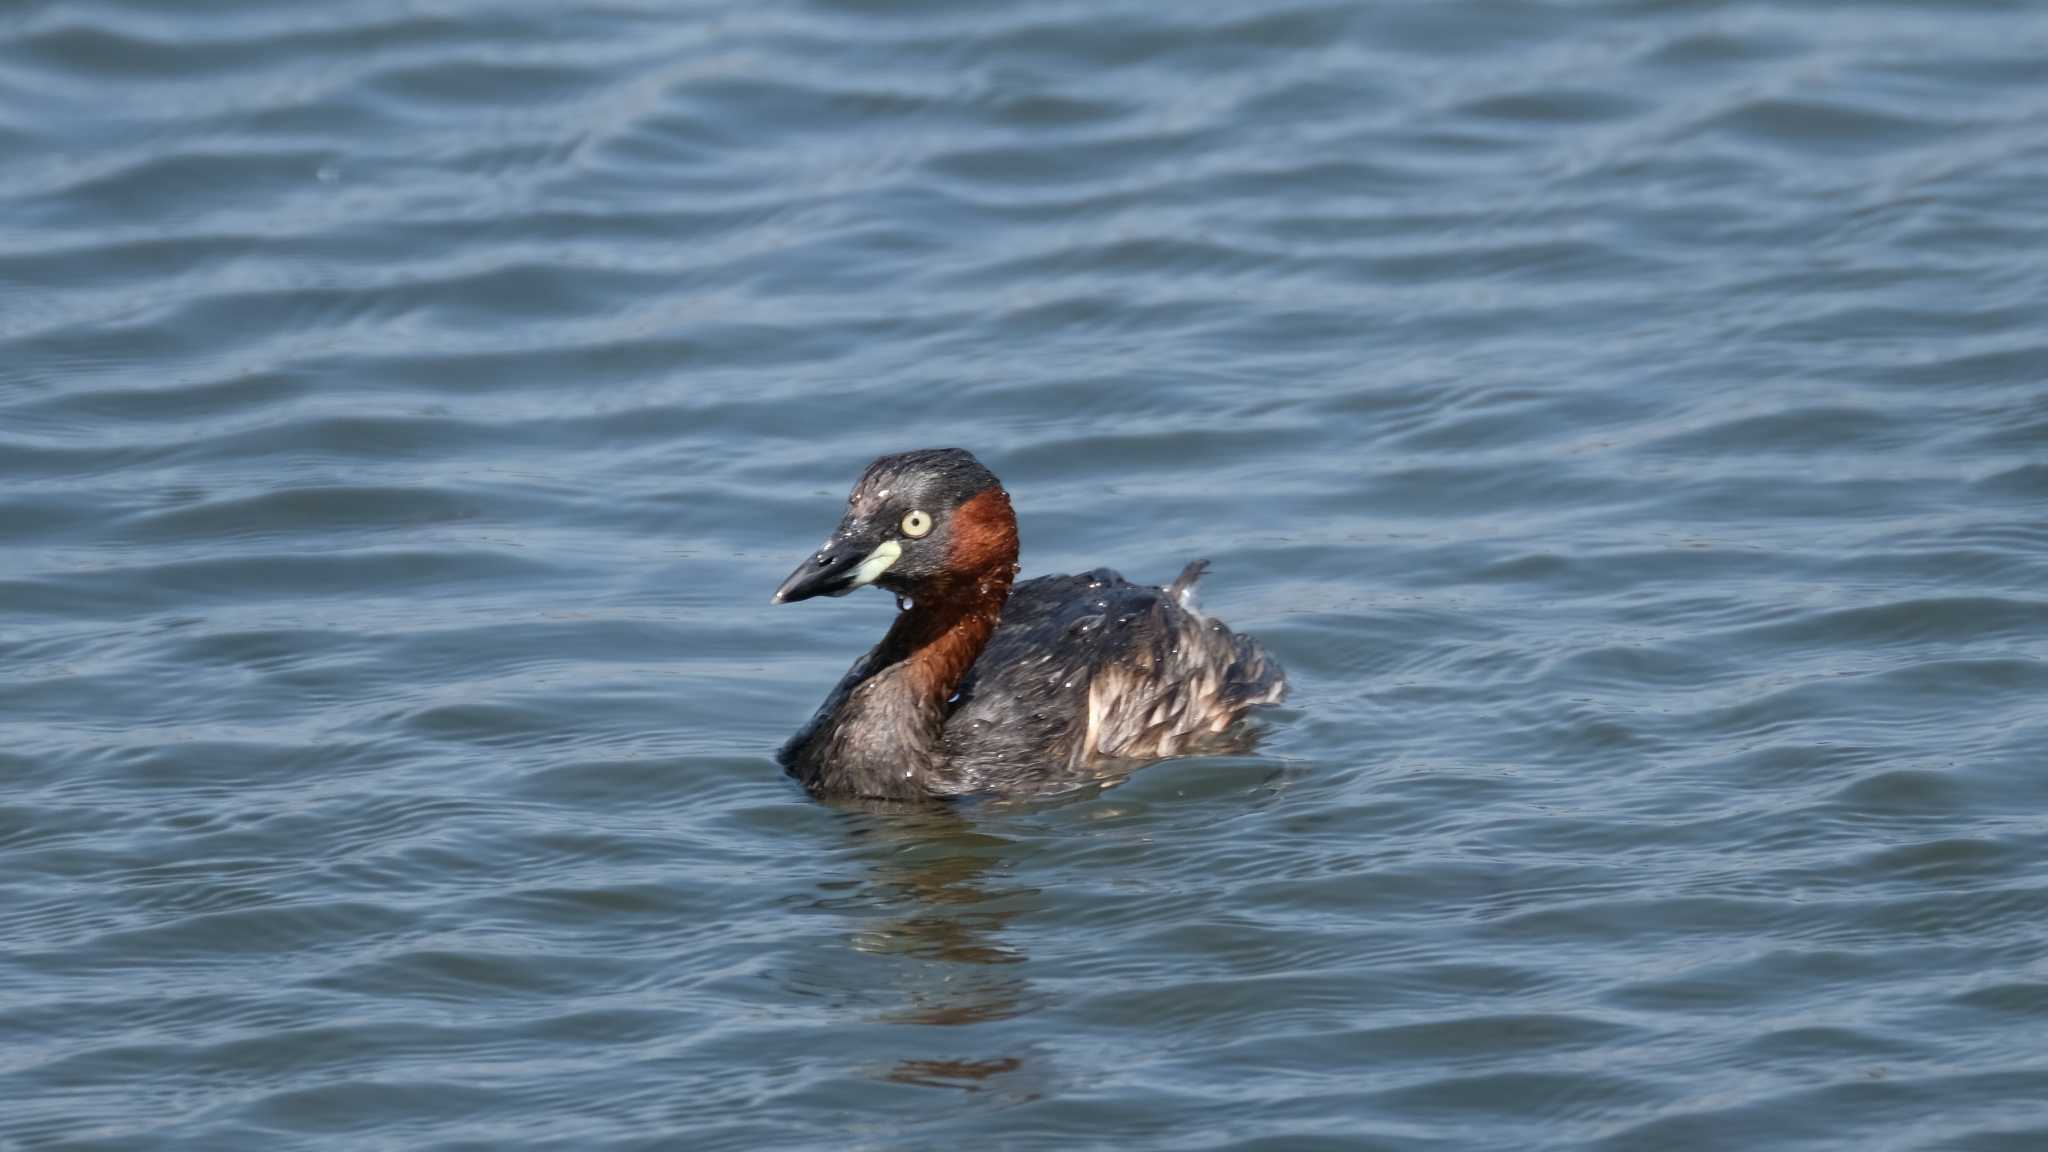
{"x": 916, "y": 524}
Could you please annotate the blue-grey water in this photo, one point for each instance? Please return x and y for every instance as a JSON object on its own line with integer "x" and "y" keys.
{"x": 1627, "y": 420}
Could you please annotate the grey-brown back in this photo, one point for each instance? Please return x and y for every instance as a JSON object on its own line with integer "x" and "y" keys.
{"x": 1090, "y": 669}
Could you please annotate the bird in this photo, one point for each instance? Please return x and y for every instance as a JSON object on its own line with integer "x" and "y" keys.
{"x": 986, "y": 685}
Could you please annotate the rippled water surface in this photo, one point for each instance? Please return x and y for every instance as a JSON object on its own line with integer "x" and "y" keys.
{"x": 1627, "y": 420}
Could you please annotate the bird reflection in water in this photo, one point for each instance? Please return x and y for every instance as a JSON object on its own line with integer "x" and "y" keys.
{"x": 926, "y": 882}
{"x": 966, "y": 1075}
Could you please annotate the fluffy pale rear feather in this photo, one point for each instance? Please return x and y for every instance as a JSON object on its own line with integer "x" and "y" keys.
{"x": 1205, "y": 681}
{"x": 1091, "y": 669}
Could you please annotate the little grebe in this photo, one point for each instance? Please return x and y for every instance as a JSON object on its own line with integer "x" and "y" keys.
{"x": 982, "y": 687}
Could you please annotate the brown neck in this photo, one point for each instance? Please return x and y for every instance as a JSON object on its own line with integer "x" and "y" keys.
{"x": 939, "y": 637}
{"x": 948, "y": 624}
